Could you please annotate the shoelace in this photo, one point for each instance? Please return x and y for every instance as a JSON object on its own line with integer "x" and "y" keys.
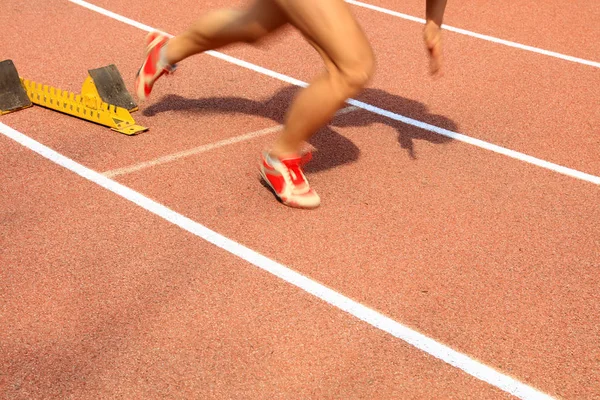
{"x": 293, "y": 173}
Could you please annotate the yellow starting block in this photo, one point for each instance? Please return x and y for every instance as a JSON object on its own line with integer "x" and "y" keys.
{"x": 104, "y": 98}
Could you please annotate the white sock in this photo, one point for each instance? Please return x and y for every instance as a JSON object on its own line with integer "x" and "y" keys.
{"x": 163, "y": 55}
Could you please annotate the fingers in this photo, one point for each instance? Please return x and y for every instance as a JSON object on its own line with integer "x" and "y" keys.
{"x": 435, "y": 64}
{"x": 433, "y": 42}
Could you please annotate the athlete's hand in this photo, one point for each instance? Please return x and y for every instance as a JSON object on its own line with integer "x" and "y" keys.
{"x": 432, "y": 34}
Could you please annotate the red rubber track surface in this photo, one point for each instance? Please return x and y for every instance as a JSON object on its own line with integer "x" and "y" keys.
{"x": 560, "y": 26}
{"x": 492, "y": 256}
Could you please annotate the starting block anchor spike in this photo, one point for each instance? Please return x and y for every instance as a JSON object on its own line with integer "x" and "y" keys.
{"x": 13, "y": 96}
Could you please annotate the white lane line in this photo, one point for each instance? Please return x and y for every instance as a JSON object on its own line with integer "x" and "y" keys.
{"x": 385, "y": 11}
{"x": 479, "y": 35}
{"x": 409, "y": 121}
{"x": 190, "y": 152}
{"x": 366, "y": 314}
{"x": 203, "y": 148}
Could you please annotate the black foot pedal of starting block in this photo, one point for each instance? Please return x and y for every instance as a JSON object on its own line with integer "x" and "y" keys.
{"x": 13, "y": 96}
{"x": 107, "y": 83}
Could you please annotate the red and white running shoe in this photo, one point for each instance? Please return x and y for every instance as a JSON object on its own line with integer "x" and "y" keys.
{"x": 153, "y": 66}
{"x": 285, "y": 177}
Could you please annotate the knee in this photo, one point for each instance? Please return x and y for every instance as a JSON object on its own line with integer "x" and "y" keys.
{"x": 356, "y": 75}
{"x": 253, "y": 33}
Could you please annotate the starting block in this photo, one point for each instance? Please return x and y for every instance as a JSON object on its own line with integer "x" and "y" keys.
{"x": 12, "y": 95}
{"x": 104, "y": 99}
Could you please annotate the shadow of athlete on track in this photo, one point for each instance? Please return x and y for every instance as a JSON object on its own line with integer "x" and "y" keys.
{"x": 333, "y": 148}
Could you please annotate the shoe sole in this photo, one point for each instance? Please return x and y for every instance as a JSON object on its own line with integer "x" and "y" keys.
{"x": 265, "y": 182}
{"x": 152, "y": 40}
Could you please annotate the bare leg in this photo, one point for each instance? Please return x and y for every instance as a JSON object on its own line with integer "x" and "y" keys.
{"x": 219, "y": 28}
{"x": 332, "y": 30}
{"x": 328, "y": 25}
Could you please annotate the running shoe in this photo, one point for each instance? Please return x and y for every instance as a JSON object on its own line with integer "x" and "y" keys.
{"x": 154, "y": 66}
{"x": 285, "y": 178}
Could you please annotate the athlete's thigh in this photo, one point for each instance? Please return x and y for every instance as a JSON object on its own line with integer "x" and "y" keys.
{"x": 331, "y": 27}
{"x": 265, "y": 16}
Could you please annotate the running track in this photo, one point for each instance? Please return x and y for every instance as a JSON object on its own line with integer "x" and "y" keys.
{"x": 438, "y": 266}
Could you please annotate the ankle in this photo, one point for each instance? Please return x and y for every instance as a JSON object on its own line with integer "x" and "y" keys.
{"x": 284, "y": 151}
{"x": 164, "y": 59}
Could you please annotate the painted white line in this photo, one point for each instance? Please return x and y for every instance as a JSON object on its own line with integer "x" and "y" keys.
{"x": 479, "y": 35}
{"x": 190, "y": 152}
{"x": 480, "y": 143}
{"x": 366, "y": 314}
{"x": 203, "y": 148}
{"x": 409, "y": 121}
{"x": 385, "y": 11}
{"x": 347, "y": 110}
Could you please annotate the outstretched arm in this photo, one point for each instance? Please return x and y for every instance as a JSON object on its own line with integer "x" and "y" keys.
{"x": 434, "y": 16}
